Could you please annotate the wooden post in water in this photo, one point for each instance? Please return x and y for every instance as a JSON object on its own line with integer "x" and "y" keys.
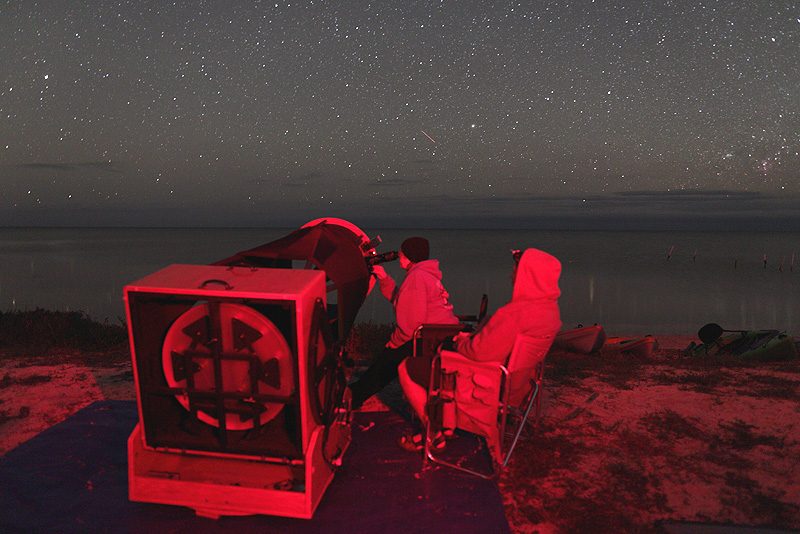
{"x": 694, "y": 258}
{"x": 780, "y": 267}
{"x": 765, "y": 260}
{"x": 670, "y": 252}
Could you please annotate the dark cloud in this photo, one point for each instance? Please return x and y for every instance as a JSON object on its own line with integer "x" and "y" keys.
{"x": 695, "y": 194}
{"x": 70, "y": 167}
{"x": 634, "y": 211}
{"x": 305, "y": 180}
{"x": 396, "y": 182}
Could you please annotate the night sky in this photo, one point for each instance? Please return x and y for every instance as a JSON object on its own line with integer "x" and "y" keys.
{"x": 438, "y": 113}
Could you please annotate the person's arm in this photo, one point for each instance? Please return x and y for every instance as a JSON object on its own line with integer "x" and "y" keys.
{"x": 410, "y": 310}
{"x": 493, "y": 341}
{"x": 386, "y": 282}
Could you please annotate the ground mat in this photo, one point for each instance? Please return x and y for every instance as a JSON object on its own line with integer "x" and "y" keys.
{"x": 73, "y": 478}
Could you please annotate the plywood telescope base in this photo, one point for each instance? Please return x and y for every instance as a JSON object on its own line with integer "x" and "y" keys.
{"x": 214, "y": 486}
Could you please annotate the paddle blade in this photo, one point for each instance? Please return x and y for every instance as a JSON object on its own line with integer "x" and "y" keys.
{"x": 710, "y": 333}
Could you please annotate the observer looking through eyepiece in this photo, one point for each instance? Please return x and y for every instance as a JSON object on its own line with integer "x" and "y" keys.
{"x": 382, "y": 258}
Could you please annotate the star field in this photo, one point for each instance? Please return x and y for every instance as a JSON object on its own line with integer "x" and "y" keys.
{"x": 415, "y": 112}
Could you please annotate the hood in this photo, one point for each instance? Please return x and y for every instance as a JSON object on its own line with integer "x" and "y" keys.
{"x": 428, "y": 266}
{"x": 537, "y": 276}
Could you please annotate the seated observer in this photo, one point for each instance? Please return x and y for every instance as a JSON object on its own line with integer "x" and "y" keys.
{"x": 421, "y": 298}
{"x": 533, "y": 310}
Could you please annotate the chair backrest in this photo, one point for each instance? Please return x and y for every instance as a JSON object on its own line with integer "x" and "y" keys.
{"x": 528, "y": 351}
{"x": 525, "y": 360}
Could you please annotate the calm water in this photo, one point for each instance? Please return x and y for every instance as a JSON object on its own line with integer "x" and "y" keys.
{"x": 622, "y": 280}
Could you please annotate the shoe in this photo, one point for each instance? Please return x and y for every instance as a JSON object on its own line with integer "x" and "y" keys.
{"x": 439, "y": 443}
{"x": 411, "y": 442}
{"x": 415, "y": 442}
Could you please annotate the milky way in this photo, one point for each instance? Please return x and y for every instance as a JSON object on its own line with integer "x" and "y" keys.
{"x": 437, "y": 113}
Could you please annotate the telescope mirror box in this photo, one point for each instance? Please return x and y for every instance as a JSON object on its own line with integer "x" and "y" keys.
{"x": 229, "y": 366}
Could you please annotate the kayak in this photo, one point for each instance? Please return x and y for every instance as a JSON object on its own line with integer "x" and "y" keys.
{"x": 760, "y": 345}
{"x": 641, "y": 347}
{"x": 584, "y": 339}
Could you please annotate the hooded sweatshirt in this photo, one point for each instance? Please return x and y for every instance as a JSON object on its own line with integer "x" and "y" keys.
{"x": 533, "y": 310}
{"x": 421, "y": 298}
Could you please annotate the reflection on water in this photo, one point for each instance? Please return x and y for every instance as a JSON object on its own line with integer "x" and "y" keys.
{"x": 630, "y": 282}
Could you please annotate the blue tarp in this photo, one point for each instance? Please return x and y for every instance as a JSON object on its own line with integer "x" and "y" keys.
{"x": 73, "y": 478}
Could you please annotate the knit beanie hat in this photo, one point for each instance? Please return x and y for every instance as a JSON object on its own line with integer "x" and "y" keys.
{"x": 416, "y": 249}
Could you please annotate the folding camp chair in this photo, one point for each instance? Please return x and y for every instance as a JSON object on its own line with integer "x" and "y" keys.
{"x": 490, "y": 398}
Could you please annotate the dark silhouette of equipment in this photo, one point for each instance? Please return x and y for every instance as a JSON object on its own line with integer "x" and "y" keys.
{"x": 392, "y": 255}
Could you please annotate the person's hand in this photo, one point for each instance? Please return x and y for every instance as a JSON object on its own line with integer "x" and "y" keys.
{"x": 379, "y": 272}
{"x": 461, "y": 335}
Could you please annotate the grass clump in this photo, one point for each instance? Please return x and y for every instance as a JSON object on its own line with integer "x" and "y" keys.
{"x": 366, "y": 340}
{"x": 701, "y": 381}
{"x": 668, "y": 425}
{"x": 741, "y": 436}
{"x": 40, "y": 330}
{"x": 570, "y": 369}
{"x": 743, "y": 493}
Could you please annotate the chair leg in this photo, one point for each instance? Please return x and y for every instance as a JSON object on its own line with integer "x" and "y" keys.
{"x": 429, "y": 456}
{"x": 431, "y": 429}
{"x": 532, "y": 421}
{"x": 523, "y": 422}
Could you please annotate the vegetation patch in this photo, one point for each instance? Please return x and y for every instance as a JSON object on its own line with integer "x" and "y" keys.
{"x": 701, "y": 381}
{"x": 24, "y": 411}
{"x": 365, "y": 341}
{"x": 669, "y": 425}
{"x": 568, "y": 369}
{"x": 31, "y": 380}
{"x": 549, "y": 451}
{"x": 775, "y": 387}
{"x": 746, "y": 495}
{"x": 741, "y": 436}
{"x": 596, "y": 512}
{"x": 35, "y": 332}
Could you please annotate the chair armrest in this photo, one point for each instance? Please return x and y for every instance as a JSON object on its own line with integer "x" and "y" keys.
{"x": 428, "y": 336}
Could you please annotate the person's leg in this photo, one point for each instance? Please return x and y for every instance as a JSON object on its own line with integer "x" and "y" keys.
{"x": 416, "y": 395}
{"x": 379, "y": 374}
{"x": 413, "y": 373}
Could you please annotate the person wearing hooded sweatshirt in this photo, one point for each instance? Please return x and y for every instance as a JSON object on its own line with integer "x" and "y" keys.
{"x": 533, "y": 310}
{"x": 421, "y": 298}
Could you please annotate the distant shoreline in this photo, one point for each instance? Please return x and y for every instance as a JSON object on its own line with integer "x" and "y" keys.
{"x": 621, "y": 280}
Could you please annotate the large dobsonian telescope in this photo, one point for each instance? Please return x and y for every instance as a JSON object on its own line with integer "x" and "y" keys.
{"x": 243, "y": 405}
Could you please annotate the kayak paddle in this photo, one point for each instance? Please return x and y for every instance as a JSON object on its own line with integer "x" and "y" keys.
{"x": 712, "y": 332}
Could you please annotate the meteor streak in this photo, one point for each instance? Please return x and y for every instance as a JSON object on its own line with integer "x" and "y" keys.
{"x": 428, "y": 136}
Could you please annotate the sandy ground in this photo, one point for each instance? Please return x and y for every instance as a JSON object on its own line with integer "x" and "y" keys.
{"x": 35, "y": 396}
{"x": 668, "y": 443}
